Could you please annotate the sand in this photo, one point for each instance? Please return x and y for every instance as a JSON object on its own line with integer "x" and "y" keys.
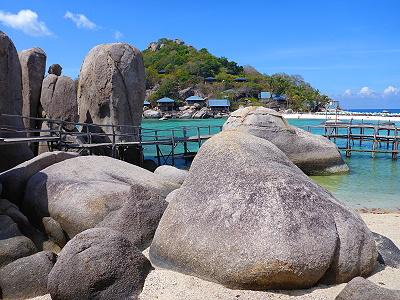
{"x": 168, "y": 285}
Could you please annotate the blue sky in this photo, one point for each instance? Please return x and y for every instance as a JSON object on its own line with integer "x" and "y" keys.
{"x": 349, "y": 50}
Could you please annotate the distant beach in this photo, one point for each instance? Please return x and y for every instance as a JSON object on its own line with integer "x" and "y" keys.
{"x": 346, "y": 115}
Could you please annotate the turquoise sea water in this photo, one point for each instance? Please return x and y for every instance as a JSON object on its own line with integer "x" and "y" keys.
{"x": 371, "y": 183}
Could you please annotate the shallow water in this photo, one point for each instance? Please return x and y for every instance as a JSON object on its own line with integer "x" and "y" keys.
{"x": 371, "y": 183}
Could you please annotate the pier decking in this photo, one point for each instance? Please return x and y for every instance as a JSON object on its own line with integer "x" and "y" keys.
{"x": 114, "y": 139}
{"x": 362, "y": 137}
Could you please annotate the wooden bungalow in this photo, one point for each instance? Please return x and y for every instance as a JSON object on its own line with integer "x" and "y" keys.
{"x": 166, "y": 104}
{"x": 221, "y": 105}
{"x": 194, "y": 99}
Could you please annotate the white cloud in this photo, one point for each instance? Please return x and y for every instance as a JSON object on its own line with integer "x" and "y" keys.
{"x": 348, "y": 92}
{"x": 366, "y": 91}
{"x": 81, "y": 21}
{"x": 118, "y": 35}
{"x": 25, "y": 20}
{"x": 391, "y": 90}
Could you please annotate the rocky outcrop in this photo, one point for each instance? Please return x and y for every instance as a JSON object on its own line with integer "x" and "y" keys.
{"x": 111, "y": 87}
{"x": 55, "y": 69}
{"x": 58, "y": 98}
{"x": 27, "y": 277}
{"x": 172, "y": 174}
{"x": 14, "y": 180}
{"x": 13, "y": 245}
{"x": 248, "y": 218}
{"x": 389, "y": 254}
{"x": 362, "y": 289}
{"x": 33, "y": 67}
{"x": 11, "y": 103}
{"x": 98, "y": 264}
{"x": 107, "y": 192}
{"x": 152, "y": 114}
{"x": 314, "y": 154}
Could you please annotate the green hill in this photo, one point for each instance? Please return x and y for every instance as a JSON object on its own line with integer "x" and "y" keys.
{"x": 176, "y": 70}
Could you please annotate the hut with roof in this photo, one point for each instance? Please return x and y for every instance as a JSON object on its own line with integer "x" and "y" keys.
{"x": 166, "y": 104}
{"x": 220, "y": 105}
{"x": 194, "y": 99}
{"x": 146, "y": 104}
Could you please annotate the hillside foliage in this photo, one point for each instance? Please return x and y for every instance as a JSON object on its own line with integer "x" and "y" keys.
{"x": 173, "y": 67}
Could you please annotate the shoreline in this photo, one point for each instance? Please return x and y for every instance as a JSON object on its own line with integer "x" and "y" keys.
{"x": 311, "y": 116}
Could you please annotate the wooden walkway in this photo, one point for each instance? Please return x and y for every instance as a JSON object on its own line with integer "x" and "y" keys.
{"x": 362, "y": 137}
{"x": 88, "y": 138}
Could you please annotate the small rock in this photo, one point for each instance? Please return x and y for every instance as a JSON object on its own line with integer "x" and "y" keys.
{"x": 55, "y": 69}
{"x": 98, "y": 263}
{"x": 27, "y": 277}
{"x": 172, "y": 174}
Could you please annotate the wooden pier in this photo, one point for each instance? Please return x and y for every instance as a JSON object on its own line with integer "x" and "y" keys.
{"x": 115, "y": 140}
{"x": 362, "y": 137}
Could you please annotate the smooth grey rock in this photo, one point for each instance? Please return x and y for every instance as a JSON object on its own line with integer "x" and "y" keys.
{"x": 33, "y": 67}
{"x": 13, "y": 244}
{"x": 27, "y": 277}
{"x": 11, "y": 103}
{"x": 55, "y": 69}
{"x": 54, "y": 231}
{"x": 14, "y": 180}
{"x": 98, "y": 263}
{"x": 362, "y": 289}
{"x": 58, "y": 98}
{"x": 389, "y": 254}
{"x": 152, "y": 114}
{"x": 85, "y": 191}
{"x": 314, "y": 154}
{"x": 247, "y": 217}
{"x": 172, "y": 174}
{"x": 111, "y": 88}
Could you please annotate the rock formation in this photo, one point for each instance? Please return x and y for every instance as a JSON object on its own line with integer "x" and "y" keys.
{"x": 248, "y": 218}
{"x": 33, "y": 67}
{"x": 107, "y": 193}
{"x": 314, "y": 154}
{"x": 11, "y": 103}
{"x": 111, "y": 87}
{"x": 98, "y": 264}
{"x": 58, "y": 98}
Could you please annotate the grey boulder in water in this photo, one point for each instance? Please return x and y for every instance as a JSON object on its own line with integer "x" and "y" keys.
{"x": 248, "y": 218}
{"x": 314, "y": 154}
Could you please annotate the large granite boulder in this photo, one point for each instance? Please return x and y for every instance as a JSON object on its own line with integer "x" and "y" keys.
{"x": 111, "y": 87}
{"x": 88, "y": 191}
{"x": 172, "y": 174}
{"x": 314, "y": 154}
{"x": 247, "y": 217}
{"x": 98, "y": 263}
{"x": 389, "y": 254}
{"x": 27, "y": 277}
{"x": 14, "y": 180}
{"x": 58, "y": 98}
{"x": 13, "y": 244}
{"x": 11, "y": 103}
{"x": 363, "y": 289}
{"x": 33, "y": 67}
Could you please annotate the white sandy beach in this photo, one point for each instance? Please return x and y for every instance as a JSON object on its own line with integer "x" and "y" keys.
{"x": 348, "y": 117}
{"x": 168, "y": 285}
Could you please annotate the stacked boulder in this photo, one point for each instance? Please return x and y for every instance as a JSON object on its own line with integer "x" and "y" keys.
{"x": 314, "y": 154}
{"x": 11, "y": 103}
{"x": 33, "y": 64}
{"x": 248, "y": 218}
{"x": 111, "y": 91}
